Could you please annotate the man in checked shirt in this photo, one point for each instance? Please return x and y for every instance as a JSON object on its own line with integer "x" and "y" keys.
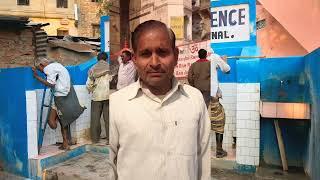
{"x": 159, "y": 128}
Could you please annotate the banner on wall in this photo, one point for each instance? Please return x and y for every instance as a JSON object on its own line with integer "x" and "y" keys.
{"x": 177, "y": 26}
{"x": 230, "y": 23}
{"x": 188, "y": 54}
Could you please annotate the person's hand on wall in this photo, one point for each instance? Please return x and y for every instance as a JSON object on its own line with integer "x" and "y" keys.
{"x": 35, "y": 73}
{"x": 224, "y": 57}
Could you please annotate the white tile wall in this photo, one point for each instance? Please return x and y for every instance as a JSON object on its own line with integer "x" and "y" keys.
{"x": 31, "y": 109}
{"x": 34, "y": 100}
{"x": 248, "y": 123}
{"x": 229, "y": 102}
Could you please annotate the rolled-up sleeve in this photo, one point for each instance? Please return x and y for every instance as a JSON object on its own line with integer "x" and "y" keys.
{"x": 220, "y": 62}
{"x": 51, "y": 76}
{"x": 204, "y": 153}
{"x": 90, "y": 84}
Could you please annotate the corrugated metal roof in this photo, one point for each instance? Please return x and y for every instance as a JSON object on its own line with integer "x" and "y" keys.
{"x": 13, "y": 22}
{"x": 18, "y": 22}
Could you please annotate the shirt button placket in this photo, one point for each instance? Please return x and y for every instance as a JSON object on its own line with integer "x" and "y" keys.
{"x": 163, "y": 137}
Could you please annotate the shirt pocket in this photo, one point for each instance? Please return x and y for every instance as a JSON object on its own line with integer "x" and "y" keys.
{"x": 184, "y": 137}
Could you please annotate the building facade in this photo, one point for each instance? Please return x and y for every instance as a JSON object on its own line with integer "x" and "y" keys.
{"x": 66, "y": 17}
{"x": 59, "y": 13}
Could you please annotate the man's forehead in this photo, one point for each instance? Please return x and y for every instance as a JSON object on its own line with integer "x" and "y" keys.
{"x": 159, "y": 44}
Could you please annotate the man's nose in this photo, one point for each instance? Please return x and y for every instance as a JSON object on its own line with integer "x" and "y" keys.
{"x": 154, "y": 62}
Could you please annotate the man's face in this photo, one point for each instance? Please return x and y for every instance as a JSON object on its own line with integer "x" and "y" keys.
{"x": 40, "y": 67}
{"x": 155, "y": 58}
{"x": 125, "y": 58}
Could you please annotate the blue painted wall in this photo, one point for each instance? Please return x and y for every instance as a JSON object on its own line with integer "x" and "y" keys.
{"x": 312, "y": 65}
{"x": 301, "y": 83}
{"x": 283, "y": 80}
{"x": 242, "y": 70}
{"x": 295, "y": 135}
{"x": 13, "y": 119}
{"x": 13, "y": 123}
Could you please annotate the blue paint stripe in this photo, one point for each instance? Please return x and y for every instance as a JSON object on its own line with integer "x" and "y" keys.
{"x": 53, "y": 160}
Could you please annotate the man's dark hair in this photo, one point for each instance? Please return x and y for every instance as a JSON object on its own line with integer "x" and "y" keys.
{"x": 127, "y": 53}
{"x": 102, "y": 56}
{"x": 148, "y": 25}
{"x": 202, "y": 53}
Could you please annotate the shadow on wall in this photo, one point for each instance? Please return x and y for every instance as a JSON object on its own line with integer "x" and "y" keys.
{"x": 13, "y": 116}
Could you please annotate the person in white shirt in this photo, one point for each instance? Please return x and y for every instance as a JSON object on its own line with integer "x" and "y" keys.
{"x": 217, "y": 62}
{"x": 98, "y": 84}
{"x": 66, "y": 107}
{"x": 127, "y": 71}
{"x": 217, "y": 113}
{"x": 159, "y": 128}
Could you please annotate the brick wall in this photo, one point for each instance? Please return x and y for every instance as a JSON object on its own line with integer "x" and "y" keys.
{"x": 88, "y": 16}
{"x": 68, "y": 57}
{"x": 16, "y": 48}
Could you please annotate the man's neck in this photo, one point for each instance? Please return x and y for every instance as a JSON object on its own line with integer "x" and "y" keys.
{"x": 125, "y": 62}
{"x": 158, "y": 90}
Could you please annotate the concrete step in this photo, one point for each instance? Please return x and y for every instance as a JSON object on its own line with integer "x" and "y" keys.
{"x": 90, "y": 165}
{"x": 50, "y": 157}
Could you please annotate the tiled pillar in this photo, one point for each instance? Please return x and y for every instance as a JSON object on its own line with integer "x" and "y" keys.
{"x": 32, "y": 126}
{"x": 228, "y": 101}
{"x": 248, "y": 123}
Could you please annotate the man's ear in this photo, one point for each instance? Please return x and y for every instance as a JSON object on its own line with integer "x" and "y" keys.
{"x": 176, "y": 55}
{"x": 134, "y": 59}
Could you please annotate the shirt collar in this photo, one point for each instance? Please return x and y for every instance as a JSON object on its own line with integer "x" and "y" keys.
{"x": 176, "y": 85}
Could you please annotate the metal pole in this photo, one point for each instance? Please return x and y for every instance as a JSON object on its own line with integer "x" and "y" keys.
{"x": 245, "y": 57}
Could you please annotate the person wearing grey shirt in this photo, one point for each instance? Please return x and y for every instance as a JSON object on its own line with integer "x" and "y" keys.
{"x": 159, "y": 128}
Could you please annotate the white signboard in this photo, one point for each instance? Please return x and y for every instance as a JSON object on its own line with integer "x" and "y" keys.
{"x": 230, "y": 23}
{"x": 188, "y": 54}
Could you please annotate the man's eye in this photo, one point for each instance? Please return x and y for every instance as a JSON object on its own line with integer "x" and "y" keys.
{"x": 163, "y": 52}
{"x": 145, "y": 54}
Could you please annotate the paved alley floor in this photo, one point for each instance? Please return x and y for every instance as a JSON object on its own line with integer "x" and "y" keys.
{"x": 261, "y": 174}
{"x": 7, "y": 176}
{"x": 88, "y": 166}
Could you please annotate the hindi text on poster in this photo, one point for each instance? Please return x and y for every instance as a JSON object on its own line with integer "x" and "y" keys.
{"x": 188, "y": 54}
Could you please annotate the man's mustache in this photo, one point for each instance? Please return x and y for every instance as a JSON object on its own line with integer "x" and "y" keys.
{"x": 156, "y": 71}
